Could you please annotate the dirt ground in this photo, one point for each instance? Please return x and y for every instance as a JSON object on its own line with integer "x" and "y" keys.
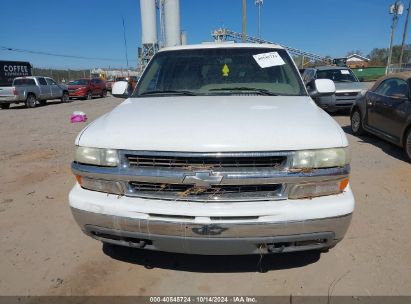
{"x": 43, "y": 251}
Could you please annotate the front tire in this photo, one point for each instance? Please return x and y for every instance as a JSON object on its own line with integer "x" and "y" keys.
{"x": 31, "y": 101}
{"x": 5, "y": 106}
{"x": 89, "y": 95}
{"x": 103, "y": 94}
{"x": 356, "y": 123}
{"x": 65, "y": 98}
{"x": 407, "y": 144}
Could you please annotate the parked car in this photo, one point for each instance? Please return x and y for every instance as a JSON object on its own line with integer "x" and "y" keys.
{"x": 132, "y": 80}
{"x": 385, "y": 111}
{"x": 219, "y": 150}
{"x": 87, "y": 88}
{"x": 109, "y": 85}
{"x": 33, "y": 89}
{"x": 8, "y": 71}
{"x": 347, "y": 86}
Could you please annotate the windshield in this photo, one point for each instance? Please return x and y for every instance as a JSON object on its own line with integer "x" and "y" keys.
{"x": 78, "y": 82}
{"x": 221, "y": 71}
{"x": 337, "y": 75}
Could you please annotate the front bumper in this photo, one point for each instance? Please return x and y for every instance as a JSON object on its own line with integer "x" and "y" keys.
{"x": 213, "y": 229}
{"x": 214, "y": 239}
{"x": 78, "y": 94}
{"x": 334, "y": 103}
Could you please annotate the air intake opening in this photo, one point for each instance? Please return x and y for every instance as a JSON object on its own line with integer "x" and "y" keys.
{"x": 281, "y": 246}
{"x": 133, "y": 242}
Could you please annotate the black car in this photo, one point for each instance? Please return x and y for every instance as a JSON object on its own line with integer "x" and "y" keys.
{"x": 385, "y": 111}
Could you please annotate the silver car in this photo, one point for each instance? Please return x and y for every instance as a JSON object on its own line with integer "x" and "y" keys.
{"x": 347, "y": 86}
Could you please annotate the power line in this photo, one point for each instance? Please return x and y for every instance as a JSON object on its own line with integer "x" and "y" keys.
{"x": 11, "y": 49}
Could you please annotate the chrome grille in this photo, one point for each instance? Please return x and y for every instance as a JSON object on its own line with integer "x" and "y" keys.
{"x": 188, "y": 163}
{"x": 210, "y": 193}
{"x": 346, "y": 94}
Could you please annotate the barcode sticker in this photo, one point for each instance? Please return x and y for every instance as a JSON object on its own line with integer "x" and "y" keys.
{"x": 266, "y": 60}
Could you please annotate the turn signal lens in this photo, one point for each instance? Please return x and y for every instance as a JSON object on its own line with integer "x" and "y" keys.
{"x": 310, "y": 190}
{"x": 343, "y": 184}
{"x": 78, "y": 178}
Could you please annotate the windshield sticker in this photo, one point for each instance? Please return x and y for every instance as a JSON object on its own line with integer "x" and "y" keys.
{"x": 345, "y": 72}
{"x": 266, "y": 60}
{"x": 225, "y": 70}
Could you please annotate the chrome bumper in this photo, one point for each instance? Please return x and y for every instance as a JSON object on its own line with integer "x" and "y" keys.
{"x": 9, "y": 99}
{"x": 214, "y": 238}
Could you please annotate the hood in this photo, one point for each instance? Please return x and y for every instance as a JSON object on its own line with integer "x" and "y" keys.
{"x": 350, "y": 86}
{"x": 215, "y": 124}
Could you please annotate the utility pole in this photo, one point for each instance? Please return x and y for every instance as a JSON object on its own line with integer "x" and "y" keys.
{"x": 259, "y": 3}
{"x": 396, "y": 9}
{"x": 244, "y": 20}
{"x": 405, "y": 33}
{"x": 125, "y": 42}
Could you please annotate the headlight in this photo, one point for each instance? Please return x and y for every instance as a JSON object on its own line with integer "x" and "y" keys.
{"x": 323, "y": 158}
{"x": 363, "y": 92}
{"x": 96, "y": 156}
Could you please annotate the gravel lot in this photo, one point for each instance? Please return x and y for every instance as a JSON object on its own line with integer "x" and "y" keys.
{"x": 44, "y": 252}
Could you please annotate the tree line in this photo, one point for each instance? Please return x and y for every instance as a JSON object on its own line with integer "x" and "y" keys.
{"x": 60, "y": 75}
{"x": 379, "y": 56}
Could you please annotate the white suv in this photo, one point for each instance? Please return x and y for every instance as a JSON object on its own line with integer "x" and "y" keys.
{"x": 219, "y": 150}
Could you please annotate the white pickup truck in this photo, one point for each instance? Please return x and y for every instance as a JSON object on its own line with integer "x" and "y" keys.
{"x": 219, "y": 150}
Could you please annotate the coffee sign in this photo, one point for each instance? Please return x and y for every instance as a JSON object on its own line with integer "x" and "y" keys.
{"x": 12, "y": 69}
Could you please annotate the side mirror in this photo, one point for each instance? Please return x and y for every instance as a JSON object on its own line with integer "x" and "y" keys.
{"x": 121, "y": 89}
{"x": 361, "y": 79}
{"x": 321, "y": 87}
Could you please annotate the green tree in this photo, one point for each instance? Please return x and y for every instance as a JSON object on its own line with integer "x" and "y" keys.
{"x": 379, "y": 56}
{"x": 352, "y": 52}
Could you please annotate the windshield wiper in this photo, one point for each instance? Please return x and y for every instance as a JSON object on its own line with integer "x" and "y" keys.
{"x": 246, "y": 89}
{"x": 169, "y": 92}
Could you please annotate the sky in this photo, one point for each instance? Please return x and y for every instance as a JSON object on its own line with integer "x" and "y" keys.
{"x": 93, "y": 28}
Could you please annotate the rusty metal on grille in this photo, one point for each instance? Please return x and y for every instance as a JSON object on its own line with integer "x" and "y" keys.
{"x": 211, "y": 193}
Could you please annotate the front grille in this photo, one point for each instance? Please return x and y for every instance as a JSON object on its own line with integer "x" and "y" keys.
{"x": 346, "y": 94}
{"x": 188, "y": 163}
{"x": 209, "y": 193}
{"x": 343, "y": 104}
{"x": 204, "y": 176}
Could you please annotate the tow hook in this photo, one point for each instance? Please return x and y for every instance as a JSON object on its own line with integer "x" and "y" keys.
{"x": 275, "y": 249}
{"x": 139, "y": 244}
{"x": 142, "y": 244}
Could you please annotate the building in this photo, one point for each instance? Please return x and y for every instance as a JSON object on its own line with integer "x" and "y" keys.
{"x": 357, "y": 61}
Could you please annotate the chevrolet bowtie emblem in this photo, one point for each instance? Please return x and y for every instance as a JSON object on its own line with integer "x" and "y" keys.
{"x": 209, "y": 230}
{"x": 202, "y": 178}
